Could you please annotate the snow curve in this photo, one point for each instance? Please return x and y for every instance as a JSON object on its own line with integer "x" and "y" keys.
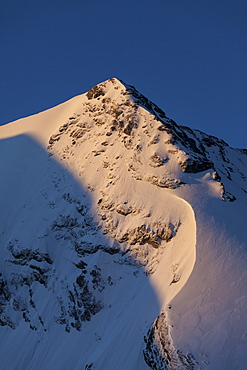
{"x": 181, "y": 255}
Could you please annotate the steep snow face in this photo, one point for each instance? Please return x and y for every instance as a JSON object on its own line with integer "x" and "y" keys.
{"x": 100, "y": 233}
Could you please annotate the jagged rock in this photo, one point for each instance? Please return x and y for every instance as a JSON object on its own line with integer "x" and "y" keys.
{"x": 216, "y": 176}
{"x": 81, "y": 265}
{"x": 160, "y": 353}
{"x": 124, "y": 210}
{"x": 86, "y": 248}
{"x": 95, "y": 92}
{"x": 196, "y": 165}
{"x": 98, "y": 281}
{"x": 111, "y": 250}
{"x": 5, "y": 293}
{"x": 54, "y": 138}
{"x": 77, "y": 134}
{"x": 23, "y": 255}
{"x": 153, "y": 236}
{"x": 157, "y": 160}
{"x": 165, "y": 183}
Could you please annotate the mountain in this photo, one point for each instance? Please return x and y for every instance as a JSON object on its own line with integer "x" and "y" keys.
{"x": 123, "y": 240}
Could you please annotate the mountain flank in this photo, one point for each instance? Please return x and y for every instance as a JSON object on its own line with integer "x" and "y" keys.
{"x": 123, "y": 242}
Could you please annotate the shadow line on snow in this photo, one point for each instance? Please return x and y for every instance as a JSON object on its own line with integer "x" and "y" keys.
{"x": 44, "y": 212}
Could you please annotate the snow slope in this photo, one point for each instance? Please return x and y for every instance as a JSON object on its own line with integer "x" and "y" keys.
{"x": 112, "y": 218}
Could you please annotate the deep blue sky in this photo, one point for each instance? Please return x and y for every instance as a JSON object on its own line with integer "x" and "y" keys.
{"x": 188, "y": 56}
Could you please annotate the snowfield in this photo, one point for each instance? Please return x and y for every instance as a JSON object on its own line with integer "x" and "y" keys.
{"x": 123, "y": 239}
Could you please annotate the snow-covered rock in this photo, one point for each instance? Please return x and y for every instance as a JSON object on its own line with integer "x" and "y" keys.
{"x": 123, "y": 242}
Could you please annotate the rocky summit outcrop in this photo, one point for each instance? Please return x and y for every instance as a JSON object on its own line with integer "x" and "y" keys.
{"x": 148, "y": 137}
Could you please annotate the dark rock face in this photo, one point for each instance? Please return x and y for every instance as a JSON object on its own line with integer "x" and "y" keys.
{"x": 5, "y": 296}
{"x": 82, "y": 304}
{"x": 32, "y": 266}
{"x": 184, "y": 137}
{"x": 95, "y": 92}
{"x": 196, "y": 165}
{"x": 160, "y": 353}
{"x": 197, "y": 160}
{"x": 23, "y": 255}
{"x": 145, "y": 102}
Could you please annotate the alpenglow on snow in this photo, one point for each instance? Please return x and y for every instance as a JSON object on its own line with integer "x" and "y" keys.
{"x": 123, "y": 239}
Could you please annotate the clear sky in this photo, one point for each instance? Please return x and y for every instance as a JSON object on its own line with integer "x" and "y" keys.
{"x": 188, "y": 56}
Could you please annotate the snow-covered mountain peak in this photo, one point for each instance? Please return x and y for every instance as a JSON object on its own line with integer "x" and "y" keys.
{"x": 123, "y": 243}
{"x": 154, "y": 147}
{"x": 119, "y": 90}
